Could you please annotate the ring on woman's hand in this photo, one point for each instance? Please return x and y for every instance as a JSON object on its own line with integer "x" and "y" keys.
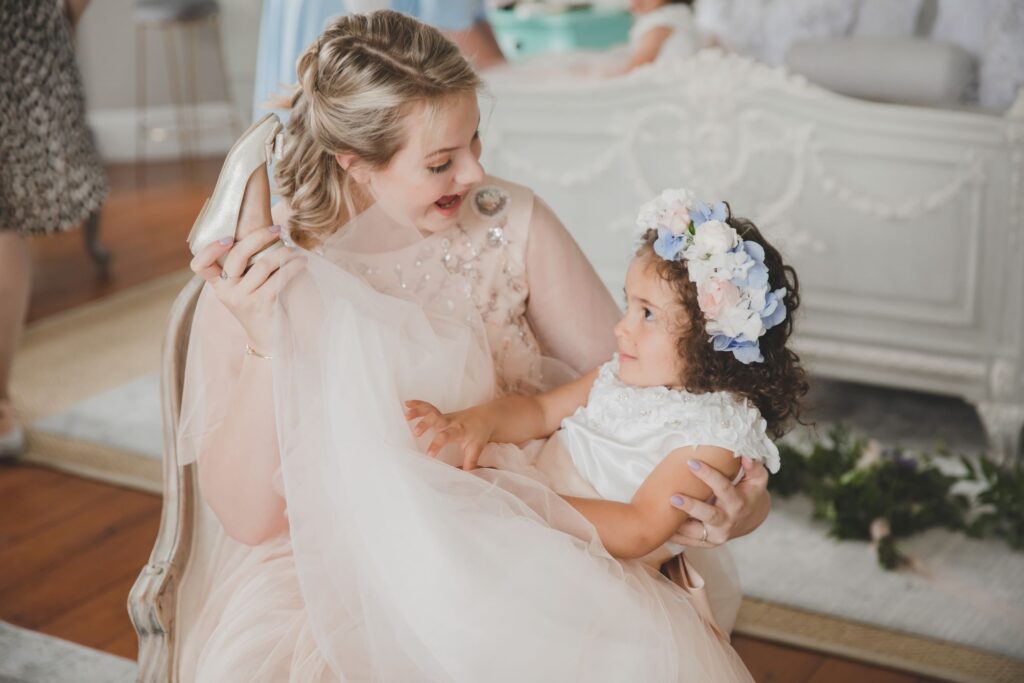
{"x": 704, "y": 536}
{"x": 224, "y": 276}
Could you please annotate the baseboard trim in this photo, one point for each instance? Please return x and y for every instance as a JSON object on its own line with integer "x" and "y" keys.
{"x": 116, "y": 131}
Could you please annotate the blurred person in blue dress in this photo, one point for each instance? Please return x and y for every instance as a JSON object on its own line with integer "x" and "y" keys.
{"x": 288, "y": 26}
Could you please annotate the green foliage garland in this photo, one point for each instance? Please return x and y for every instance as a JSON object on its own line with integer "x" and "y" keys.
{"x": 880, "y": 494}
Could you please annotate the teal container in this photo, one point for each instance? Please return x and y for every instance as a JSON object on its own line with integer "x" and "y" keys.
{"x": 538, "y": 33}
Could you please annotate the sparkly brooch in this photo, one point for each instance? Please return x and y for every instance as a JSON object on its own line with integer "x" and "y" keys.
{"x": 490, "y": 201}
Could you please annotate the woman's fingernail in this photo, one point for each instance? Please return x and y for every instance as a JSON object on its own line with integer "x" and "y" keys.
{"x": 226, "y": 240}
{"x": 678, "y": 501}
{"x": 693, "y": 464}
{"x": 274, "y": 229}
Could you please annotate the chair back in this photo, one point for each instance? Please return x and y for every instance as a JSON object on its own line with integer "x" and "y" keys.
{"x": 152, "y": 603}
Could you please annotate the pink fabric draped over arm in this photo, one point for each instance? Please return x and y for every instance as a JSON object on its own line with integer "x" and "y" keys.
{"x": 569, "y": 308}
{"x": 227, "y": 425}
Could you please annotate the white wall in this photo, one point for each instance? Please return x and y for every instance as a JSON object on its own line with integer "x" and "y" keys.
{"x": 107, "y": 56}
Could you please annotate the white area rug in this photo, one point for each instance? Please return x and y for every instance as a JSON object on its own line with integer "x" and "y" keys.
{"x": 30, "y": 657}
{"x": 126, "y": 418}
{"x": 973, "y": 593}
{"x": 85, "y": 383}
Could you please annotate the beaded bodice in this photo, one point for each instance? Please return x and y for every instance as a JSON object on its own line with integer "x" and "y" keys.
{"x": 482, "y": 258}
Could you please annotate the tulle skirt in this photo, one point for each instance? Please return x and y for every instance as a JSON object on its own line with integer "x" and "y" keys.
{"x": 399, "y": 567}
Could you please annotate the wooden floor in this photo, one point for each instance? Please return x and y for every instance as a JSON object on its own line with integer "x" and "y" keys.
{"x": 145, "y": 221}
{"x": 70, "y": 548}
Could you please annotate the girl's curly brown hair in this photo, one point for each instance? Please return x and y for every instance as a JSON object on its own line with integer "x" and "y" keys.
{"x": 774, "y": 386}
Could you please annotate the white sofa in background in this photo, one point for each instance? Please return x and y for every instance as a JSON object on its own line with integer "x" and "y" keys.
{"x": 905, "y": 224}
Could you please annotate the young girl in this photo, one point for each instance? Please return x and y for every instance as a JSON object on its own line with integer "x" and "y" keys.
{"x": 662, "y": 29}
{"x": 702, "y": 372}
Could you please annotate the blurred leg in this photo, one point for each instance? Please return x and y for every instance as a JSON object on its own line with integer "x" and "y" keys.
{"x": 99, "y": 254}
{"x": 15, "y": 282}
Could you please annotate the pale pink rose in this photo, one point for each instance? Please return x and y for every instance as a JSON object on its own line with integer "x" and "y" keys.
{"x": 677, "y": 219}
{"x": 871, "y": 454}
{"x": 715, "y": 296}
{"x": 880, "y": 529}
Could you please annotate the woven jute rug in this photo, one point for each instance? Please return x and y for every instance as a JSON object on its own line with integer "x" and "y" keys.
{"x": 92, "y": 349}
{"x": 69, "y": 357}
{"x": 939, "y": 659}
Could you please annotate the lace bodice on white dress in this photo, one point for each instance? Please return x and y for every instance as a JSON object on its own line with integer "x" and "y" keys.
{"x": 623, "y": 432}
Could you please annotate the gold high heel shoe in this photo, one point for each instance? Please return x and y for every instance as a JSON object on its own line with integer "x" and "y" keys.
{"x": 219, "y": 216}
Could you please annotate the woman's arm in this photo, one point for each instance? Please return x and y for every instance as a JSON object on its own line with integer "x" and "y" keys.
{"x": 735, "y": 510}
{"x": 569, "y": 309}
{"x": 634, "y": 529}
{"x": 238, "y": 460}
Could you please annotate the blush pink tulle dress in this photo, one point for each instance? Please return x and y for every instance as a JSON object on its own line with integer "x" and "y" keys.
{"x": 398, "y": 567}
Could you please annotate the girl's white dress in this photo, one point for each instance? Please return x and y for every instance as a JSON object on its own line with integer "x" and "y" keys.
{"x": 399, "y": 567}
{"x": 608, "y": 447}
{"x": 682, "y": 42}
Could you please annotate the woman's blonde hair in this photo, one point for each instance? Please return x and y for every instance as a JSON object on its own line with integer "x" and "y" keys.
{"x": 356, "y": 84}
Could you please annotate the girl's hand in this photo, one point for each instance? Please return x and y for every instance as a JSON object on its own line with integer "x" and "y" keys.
{"x": 734, "y": 511}
{"x": 468, "y": 428}
{"x": 250, "y": 296}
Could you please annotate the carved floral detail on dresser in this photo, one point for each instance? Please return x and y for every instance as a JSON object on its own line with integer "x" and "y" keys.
{"x": 719, "y": 131}
{"x": 793, "y": 156}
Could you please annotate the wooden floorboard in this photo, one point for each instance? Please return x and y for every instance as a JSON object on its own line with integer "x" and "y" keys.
{"x": 99, "y": 622}
{"x": 769, "y": 663}
{"x": 143, "y": 226}
{"x": 70, "y": 548}
{"x": 46, "y": 503}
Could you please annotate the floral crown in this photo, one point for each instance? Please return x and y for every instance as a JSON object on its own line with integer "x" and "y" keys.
{"x": 730, "y": 274}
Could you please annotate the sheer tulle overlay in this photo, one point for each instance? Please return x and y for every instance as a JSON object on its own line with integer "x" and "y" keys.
{"x": 399, "y": 567}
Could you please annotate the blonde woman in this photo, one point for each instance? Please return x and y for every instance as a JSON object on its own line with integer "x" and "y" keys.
{"x": 410, "y": 273}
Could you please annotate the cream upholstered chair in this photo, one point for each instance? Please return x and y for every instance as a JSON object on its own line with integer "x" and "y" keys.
{"x": 152, "y": 603}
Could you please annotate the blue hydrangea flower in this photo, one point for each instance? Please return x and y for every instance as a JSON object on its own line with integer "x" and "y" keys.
{"x": 746, "y": 352}
{"x": 774, "y": 311}
{"x": 702, "y": 213}
{"x": 668, "y": 246}
{"x": 757, "y": 274}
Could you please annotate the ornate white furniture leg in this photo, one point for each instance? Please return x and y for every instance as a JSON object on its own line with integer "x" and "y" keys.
{"x": 1002, "y": 411}
{"x": 152, "y": 603}
{"x": 1003, "y": 425}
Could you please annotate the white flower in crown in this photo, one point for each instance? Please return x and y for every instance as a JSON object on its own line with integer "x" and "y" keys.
{"x": 724, "y": 265}
{"x": 712, "y": 238}
{"x": 730, "y": 273}
{"x": 739, "y": 322}
{"x": 669, "y": 210}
